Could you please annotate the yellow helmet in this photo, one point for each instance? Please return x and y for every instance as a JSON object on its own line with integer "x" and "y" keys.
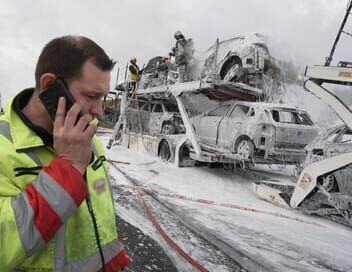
{"x": 178, "y": 33}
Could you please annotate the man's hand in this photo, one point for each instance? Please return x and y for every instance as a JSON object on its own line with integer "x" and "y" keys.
{"x": 73, "y": 141}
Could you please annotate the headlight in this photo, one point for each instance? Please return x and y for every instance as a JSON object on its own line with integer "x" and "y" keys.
{"x": 305, "y": 181}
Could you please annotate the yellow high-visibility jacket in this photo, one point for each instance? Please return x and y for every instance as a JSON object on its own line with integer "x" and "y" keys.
{"x": 46, "y": 206}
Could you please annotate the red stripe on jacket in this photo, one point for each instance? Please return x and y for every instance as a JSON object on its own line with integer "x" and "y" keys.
{"x": 120, "y": 261}
{"x": 46, "y": 220}
{"x": 69, "y": 178}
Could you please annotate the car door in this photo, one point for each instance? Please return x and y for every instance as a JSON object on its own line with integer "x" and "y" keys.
{"x": 232, "y": 125}
{"x": 208, "y": 125}
{"x": 143, "y": 115}
{"x": 291, "y": 131}
{"x": 341, "y": 143}
{"x": 155, "y": 118}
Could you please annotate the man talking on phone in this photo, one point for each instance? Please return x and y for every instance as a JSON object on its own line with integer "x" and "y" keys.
{"x": 56, "y": 207}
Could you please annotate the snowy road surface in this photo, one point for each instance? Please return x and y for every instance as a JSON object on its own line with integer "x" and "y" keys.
{"x": 222, "y": 238}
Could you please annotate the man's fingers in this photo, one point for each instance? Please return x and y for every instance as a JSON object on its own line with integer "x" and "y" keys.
{"x": 90, "y": 130}
{"x": 60, "y": 113}
{"x": 72, "y": 115}
{"x": 83, "y": 122}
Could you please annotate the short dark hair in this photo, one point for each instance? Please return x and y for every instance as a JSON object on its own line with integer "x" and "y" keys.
{"x": 65, "y": 56}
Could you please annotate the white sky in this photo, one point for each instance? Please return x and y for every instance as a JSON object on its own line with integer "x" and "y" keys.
{"x": 303, "y": 29}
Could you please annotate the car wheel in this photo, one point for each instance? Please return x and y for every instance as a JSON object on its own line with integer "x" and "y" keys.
{"x": 231, "y": 70}
{"x": 329, "y": 183}
{"x": 184, "y": 153}
{"x": 167, "y": 129}
{"x": 164, "y": 151}
{"x": 245, "y": 149}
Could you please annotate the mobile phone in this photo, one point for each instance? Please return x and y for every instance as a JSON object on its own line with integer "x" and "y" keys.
{"x": 50, "y": 97}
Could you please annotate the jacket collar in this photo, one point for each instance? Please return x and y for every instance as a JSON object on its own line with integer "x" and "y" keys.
{"x": 23, "y": 136}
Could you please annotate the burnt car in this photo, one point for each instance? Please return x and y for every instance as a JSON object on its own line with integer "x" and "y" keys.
{"x": 155, "y": 117}
{"x": 111, "y": 108}
{"x": 244, "y": 58}
{"x": 332, "y": 142}
{"x": 240, "y": 59}
{"x": 262, "y": 132}
{"x": 158, "y": 71}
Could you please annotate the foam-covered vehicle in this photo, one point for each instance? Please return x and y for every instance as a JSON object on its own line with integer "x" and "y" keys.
{"x": 332, "y": 142}
{"x": 158, "y": 71}
{"x": 111, "y": 107}
{"x": 258, "y": 131}
{"x": 240, "y": 59}
{"x": 244, "y": 58}
{"x": 155, "y": 117}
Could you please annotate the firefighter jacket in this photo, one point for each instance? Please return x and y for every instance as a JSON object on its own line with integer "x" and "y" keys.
{"x": 46, "y": 206}
{"x": 134, "y": 72}
{"x": 181, "y": 56}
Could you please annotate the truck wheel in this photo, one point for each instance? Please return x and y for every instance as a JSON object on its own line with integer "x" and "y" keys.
{"x": 164, "y": 151}
{"x": 245, "y": 149}
{"x": 329, "y": 183}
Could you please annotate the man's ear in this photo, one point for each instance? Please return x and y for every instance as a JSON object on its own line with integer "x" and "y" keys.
{"x": 46, "y": 80}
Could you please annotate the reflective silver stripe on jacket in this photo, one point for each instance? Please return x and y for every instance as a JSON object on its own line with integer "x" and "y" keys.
{"x": 5, "y": 130}
{"x": 34, "y": 157}
{"x": 56, "y": 196}
{"x": 60, "y": 251}
{"x": 93, "y": 263}
{"x": 30, "y": 237}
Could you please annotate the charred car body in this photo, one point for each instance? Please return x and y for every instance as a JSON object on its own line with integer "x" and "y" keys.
{"x": 263, "y": 132}
{"x": 240, "y": 59}
{"x": 332, "y": 142}
{"x": 111, "y": 107}
{"x": 157, "y": 72}
{"x": 324, "y": 187}
{"x": 155, "y": 117}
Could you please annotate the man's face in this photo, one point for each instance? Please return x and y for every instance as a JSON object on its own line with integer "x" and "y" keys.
{"x": 90, "y": 88}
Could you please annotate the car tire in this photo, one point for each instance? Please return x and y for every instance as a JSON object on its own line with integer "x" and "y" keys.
{"x": 231, "y": 70}
{"x": 184, "y": 153}
{"x": 245, "y": 149}
{"x": 164, "y": 152}
{"x": 329, "y": 183}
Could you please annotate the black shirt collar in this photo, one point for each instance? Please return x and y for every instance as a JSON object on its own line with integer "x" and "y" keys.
{"x": 20, "y": 101}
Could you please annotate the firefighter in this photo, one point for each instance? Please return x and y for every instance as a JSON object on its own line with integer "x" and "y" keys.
{"x": 183, "y": 54}
{"x": 56, "y": 206}
{"x": 134, "y": 77}
{"x": 163, "y": 69}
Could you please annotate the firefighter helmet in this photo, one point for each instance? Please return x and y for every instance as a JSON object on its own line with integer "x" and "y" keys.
{"x": 178, "y": 34}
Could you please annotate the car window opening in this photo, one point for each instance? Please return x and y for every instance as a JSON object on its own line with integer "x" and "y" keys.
{"x": 291, "y": 117}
